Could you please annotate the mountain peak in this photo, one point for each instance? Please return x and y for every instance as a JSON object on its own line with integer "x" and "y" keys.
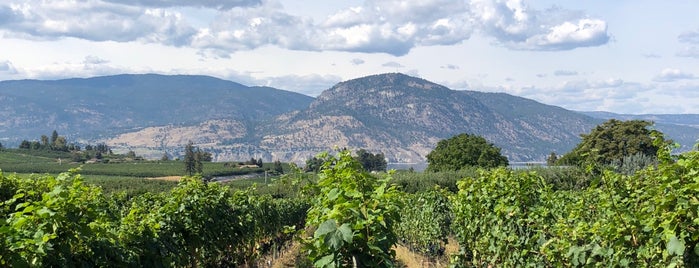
{"x": 381, "y": 85}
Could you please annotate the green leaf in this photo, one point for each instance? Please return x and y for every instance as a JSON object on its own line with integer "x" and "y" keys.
{"x": 675, "y": 246}
{"x": 325, "y": 261}
{"x": 333, "y": 194}
{"x": 334, "y": 240}
{"x": 346, "y": 232}
{"x": 325, "y": 227}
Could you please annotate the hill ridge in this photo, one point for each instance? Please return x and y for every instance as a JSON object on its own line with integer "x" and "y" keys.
{"x": 397, "y": 114}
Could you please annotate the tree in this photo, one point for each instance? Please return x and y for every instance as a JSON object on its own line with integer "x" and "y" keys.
{"x": 259, "y": 162}
{"x": 60, "y": 144}
{"x": 103, "y": 148}
{"x": 371, "y": 162}
{"x": 278, "y": 168}
{"x": 313, "y": 164}
{"x": 44, "y": 141}
{"x": 205, "y": 156}
{"x": 25, "y": 145}
{"x": 165, "y": 157}
{"x": 198, "y": 165}
{"x": 189, "y": 160}
{"x": 252, "y": 161}
{"x": 77, "y": 157}
{"x": 192, "y": 159}
{"x": 131, "y": 154}
{"x": 551, "y": 160}
{"x": 462, "y": 151}
{"x": 54, "y": 137}
{"x": 35, "y": 145}
{"x": 613, "y": 140}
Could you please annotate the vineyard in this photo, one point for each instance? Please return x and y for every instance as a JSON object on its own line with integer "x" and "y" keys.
{"x": 344, "y": 217}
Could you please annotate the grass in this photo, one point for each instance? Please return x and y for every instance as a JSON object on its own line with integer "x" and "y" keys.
{"x": 42, "y": 162}
{"x": 407, "y": 258}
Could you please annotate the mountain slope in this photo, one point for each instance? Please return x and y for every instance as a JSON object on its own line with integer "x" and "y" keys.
{"x": 112, "y": 104}
{"x": 404, "y": 117}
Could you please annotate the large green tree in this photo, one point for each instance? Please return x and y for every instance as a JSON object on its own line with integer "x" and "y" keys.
{"x": 464, "y": 150}
{"x": 371, "y": 162}
{"x": 612, "y": 141}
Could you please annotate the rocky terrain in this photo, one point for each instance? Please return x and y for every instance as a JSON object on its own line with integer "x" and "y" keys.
{"x": 399, "y": 115}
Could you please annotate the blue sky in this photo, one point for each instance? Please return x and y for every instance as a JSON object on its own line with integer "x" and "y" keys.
{"x": 618, "y": 56}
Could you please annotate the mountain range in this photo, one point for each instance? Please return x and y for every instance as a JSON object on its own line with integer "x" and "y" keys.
{"x": 399, "y": 115}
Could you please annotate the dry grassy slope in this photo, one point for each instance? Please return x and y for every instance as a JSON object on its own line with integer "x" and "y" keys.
{"x": 152, "y": 142}
{"x": 401, "y": 116}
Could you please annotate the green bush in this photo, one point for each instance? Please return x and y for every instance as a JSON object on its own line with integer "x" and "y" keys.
{"x": 353, "y": 214}
{"x": 425, "y": 222}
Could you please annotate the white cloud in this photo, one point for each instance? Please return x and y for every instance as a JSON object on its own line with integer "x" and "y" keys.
{"x": 569, "y": 35}
{"x": 94, "y": 60}
{"x": 357, "y": 61}
{"x": 377, "y": 26}
{"x": 513, "y": 24}
{"x": 591, "y": 95}
{"x": 392, "y": 64}
{"x": 691, "y": 37}
{"x": 250, "y": 28}
{"x": 689, "y": 52}
{"x": 95, "y": 21}
{"x": 216, "y": 4}
{"x": 565, "y": 73}
{"x": 7, "y": 67}
{"x": 450, "y": 67}
{"x": 670, "y": 75}
{"x": 311, "y": 85}
{"x": 395, "y": 27}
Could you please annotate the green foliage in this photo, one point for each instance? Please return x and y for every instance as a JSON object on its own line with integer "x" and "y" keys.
{"x": 278, "y": 168}
{"x": 192, "y": 163}
{"x": 462, "y": 151}
{"x": 53, "y": 162}
{"x": 611, "y": 141}
{"x": 647, "y": 219}
{"x": 353, "y": 214}
{"x": 55, "y": 222}
{"x": 371, "y": 162}
{"x": 630, "y": 164}
{"x": 425, "y": 222}
{"x": 129, "y": 186}
{"x": 496, "y": 218}
{"x": 563, "y": 178}
{"x": 415, "y": 182}
{"x": 61, "y": 222}
{"x": 552, "y": 159}
{"x": 313, "y": 164}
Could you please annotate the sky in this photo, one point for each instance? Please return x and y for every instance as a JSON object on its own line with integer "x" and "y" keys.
{"x": 622, "y": 56}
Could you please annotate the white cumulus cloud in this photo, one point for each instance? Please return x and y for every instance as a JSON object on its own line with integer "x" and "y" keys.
{"x": 93, "y": 20}
{"x": 516, "y": 26}
{"x": 7, "y": 67}
{"x": 393, "y": 27}
{"x": 670, "y": 75}
{"x": 216, "y": 4}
